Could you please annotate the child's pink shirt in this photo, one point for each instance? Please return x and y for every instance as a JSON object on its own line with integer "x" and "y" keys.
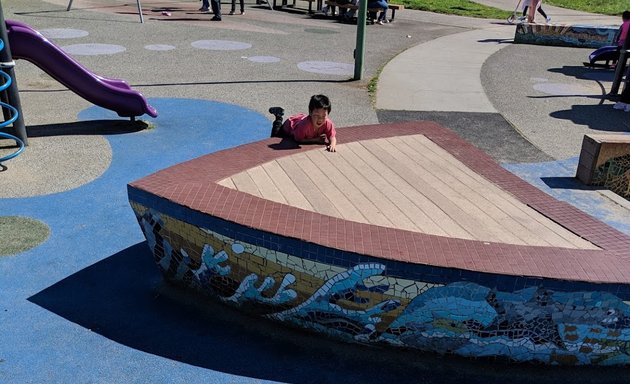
{"x": 624, "y": 33}
{"x": 301, "y": 127}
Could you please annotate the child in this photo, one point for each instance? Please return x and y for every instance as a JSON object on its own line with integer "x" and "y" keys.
{"x": 526, "y": 5}
{"x": 622, "y": 33}
{"x": 315, "y": 127}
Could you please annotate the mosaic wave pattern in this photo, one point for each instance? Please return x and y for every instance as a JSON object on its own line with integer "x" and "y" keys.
{"x": 365, "y": 303}
{"x": 614, "y": 174}
{"x": 581, "y": 36}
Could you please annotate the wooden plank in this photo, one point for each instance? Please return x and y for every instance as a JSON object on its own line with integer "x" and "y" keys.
{"x": 456, "y": 206}
{"x": 414, "y": 205}
{"x": 266, "y": 185}
{"x": 338, "y": 170}
{"x": 490, "y": 199}
{"x": 313, "y": 167}
{"x": 318, "y": 201}
{"x": 530, "y": 225}
{"x": 244, "y": 183}
{"x": 290, "y": 192}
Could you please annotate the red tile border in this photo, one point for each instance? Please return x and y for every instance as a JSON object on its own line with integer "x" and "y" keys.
{"x": 194, "y": 184}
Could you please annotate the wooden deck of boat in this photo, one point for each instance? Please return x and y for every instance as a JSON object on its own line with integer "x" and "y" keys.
{"x": 412, "y": 192}
{"x": 405, "y": 182}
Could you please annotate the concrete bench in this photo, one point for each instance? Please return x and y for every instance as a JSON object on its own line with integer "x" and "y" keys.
{"x": 605, "y": 161}
{"x": 393, "y": 7}
{"x": 581, "y": 36}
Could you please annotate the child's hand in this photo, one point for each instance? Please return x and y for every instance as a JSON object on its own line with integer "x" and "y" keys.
{"x": 331, "y": 148}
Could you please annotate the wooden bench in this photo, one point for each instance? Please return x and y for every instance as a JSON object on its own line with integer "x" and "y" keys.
{"x": 333, "y": 5}
{"x": 605, "y": 161}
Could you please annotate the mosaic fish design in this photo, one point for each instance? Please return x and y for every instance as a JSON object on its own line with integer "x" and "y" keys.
{"x": 463, "y": 318}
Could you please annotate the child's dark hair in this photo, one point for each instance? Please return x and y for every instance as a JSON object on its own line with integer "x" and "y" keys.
{"x": 625, "y": 16}
{"x": 319, "y": 101}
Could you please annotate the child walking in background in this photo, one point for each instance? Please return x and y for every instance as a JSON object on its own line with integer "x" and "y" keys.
{"x": 316, "y": 127}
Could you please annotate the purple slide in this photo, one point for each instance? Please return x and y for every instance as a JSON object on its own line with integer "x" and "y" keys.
{"x": 116, "y": 95}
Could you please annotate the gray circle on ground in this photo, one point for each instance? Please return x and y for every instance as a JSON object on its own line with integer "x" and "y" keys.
{"x": 63, "y": 33}
{"x": 220, "y": 45}
{"x": 52, "y": 164}
{"x": 20, "y": 234}
{"x": 327, "y": 67}
{"x": 264, "y": 59}
{"x": 560, "y": 89}
{"x": 159, "y": 47}
{"x": 93, "y": 49}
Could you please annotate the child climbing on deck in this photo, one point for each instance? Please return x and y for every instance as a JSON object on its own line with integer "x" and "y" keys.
{"x": 316, "y": 127}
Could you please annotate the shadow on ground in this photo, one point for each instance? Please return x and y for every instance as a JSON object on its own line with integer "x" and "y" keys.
{"x": 93, "y": 127}
{"x": 591, "y": 116}
{"x": 123, "y": 298}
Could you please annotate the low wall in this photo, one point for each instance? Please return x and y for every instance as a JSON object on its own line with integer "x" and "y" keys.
{"x": 581, "y": 36}
{"x": 605, "y": 161}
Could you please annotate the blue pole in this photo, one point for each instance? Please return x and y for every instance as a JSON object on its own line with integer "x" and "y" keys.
{"x": 13, "y": 97}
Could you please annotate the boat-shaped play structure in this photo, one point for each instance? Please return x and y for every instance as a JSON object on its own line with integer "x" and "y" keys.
{"x": 407, "y": 236}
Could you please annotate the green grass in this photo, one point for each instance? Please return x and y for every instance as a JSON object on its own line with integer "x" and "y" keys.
{"x": 455, "y": 7}
{"x": 18, "y": 234}
{"x": 471, "y": 9}
{"x": 604, "y": 7}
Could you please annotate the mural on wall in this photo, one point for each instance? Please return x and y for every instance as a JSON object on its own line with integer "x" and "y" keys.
{"x": 361, "y": 303}
{"x": 581, "y": 36}
{"x": 614, "y": 174}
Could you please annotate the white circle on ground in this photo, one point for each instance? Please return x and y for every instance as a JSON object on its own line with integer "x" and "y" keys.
{"x": 93, "y": 49}
{"x": 562, "y": 89}
{"x": 264, "y": 59}
{"x": 220, "y": 45}
{"x": 159, "y": 47}
{"x": 327, "y": 67}
{"x": 63, "y": 33}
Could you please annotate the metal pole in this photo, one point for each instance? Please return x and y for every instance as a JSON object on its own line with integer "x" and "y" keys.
{"x": 621, "y": 66}
{"x": 359, "y": 51}
{"x": 7, "y": 64}
{"x": 137, "y": 3}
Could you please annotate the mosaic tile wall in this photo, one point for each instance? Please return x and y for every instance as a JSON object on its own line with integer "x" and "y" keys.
{"x": 614, "y": 174}
{"x": 582, "y": 36}
{"x": 367, "y": 300}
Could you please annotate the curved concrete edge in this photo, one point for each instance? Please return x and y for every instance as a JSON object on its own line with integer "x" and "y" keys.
{"x": 442, "y": 74}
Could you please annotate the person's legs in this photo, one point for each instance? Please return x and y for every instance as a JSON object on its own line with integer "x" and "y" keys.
{"x": 205, "y": 5}
{"x": 276, "y": 126}
{"x": 242, "y": 7}
{"x": 532, "y": 11}
{"x": 233, "y": 9}
{"x": 216, "y": 9}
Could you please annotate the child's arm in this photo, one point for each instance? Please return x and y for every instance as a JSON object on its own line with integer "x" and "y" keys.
{"x": 332, "y": 147}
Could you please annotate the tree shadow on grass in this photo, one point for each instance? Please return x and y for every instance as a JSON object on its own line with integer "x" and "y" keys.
{"x": 124, "y": 299}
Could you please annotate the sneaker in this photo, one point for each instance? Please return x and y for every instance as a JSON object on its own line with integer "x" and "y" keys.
{"x": 276, "y": 111}
{"x": 619, "y": 105}
{"x": 380, "y": 22}
{"x": 215, "y": 18}
{"x": 548, "y": 19}
{"x": 232, "y": 13}
{"x": 242, "y": 13}
{"x": 203, "y": 9}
